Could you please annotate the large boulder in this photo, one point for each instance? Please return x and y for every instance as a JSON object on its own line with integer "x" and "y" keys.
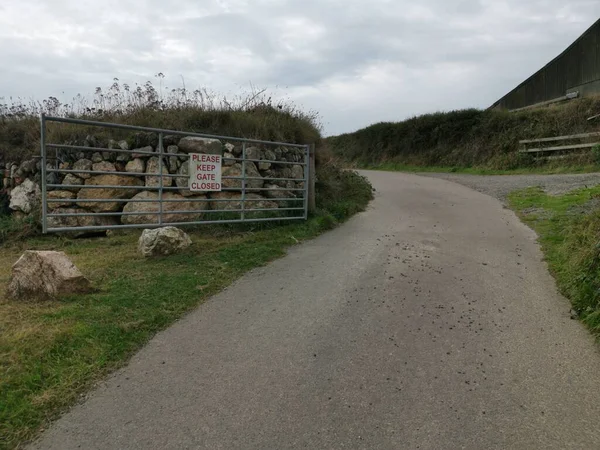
{"x": 163, "y": 241}
{"x": 143, "y": 208}
{"x": 107, "y": 193}
{"x": 25, "y": 197}
{"x": 153, "y": 167}
{"x": 45, "y": 275}
{"x": 234, "y": 201}
{"x": 60, "y": 195}
{"x": 228, "y": 159}
{"x": 183, "y": 181}
{"x": 97, "y": 221}
{"x": 174, "y": 162}
{"x": 192, "y": 144}
{"x": 297, "y": 172}
{"x": 64, "y": 221}
{"x": 236, "y": 171}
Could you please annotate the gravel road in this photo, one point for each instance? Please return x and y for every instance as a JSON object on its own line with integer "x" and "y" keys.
{"x": 499, "y": 186}
{"x": 427, "y": 322}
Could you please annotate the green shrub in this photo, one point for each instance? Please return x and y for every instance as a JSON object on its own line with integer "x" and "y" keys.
{"x": 464, "y": 138}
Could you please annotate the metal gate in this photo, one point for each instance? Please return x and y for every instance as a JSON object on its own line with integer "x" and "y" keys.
{"x": 98, "y": 184}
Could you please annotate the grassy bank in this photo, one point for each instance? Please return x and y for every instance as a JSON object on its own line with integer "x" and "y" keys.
{"x": 253, "y": 115}
{"x": 569, "y": 233}
{"x": 51, "y": 353}
{"x": 475, "y": 139}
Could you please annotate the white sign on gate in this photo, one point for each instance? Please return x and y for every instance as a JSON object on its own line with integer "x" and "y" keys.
{"x": 205, "y": 172}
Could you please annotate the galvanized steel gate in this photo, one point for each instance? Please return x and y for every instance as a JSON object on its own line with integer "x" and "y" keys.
{"x": 87, "y": 196}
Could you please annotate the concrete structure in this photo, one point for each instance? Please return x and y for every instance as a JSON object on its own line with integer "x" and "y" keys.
{"x": 573, "y": 73}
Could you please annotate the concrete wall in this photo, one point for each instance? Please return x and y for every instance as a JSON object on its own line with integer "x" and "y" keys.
{"x": 575, "y": 69}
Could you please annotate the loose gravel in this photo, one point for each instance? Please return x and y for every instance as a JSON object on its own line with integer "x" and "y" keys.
{"x": 499, "y": 186}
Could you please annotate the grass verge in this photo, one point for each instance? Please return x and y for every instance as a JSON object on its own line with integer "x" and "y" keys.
{"x": 50, "y": 353}
{"x": 542, "y": 170}
{"x": 568, "y": 227}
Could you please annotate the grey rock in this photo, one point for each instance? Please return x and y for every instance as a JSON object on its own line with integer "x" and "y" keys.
{"x": 137, "y": 165}
{"x": 146, "y": 149}
{"x": 183, "y": 182}
{"x": 228, "y": 159}
{"x": 192, "y": 144}
{"x": 152, "y": 167}
{"x": 25, "y": 197}
{"x": 83, "y": 164}
{"x": 123, "y": 157}
{"x": 297, "y": 172}
{"x": 173, "y": 161}
{"x": 163, "y": 241}
{"x": 233, "y": 200}
{"x": 104, "y": 166}
{"x": 60, "y": 195}
{"x": 269, "y": 155}
{"x": 45, "y": 275}
{"x": 144, "y": 210}
{"x": 253, "y": 153}
{"x": 28, "y": 167}
{"x": 72, "y": 180}
{"x": 109, "y": 156}
{"x": 236, "y": 171}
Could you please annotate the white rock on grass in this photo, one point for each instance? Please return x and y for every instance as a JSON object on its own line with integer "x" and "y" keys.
{"x": 163, "y": 241}
{"x": 25, "y": 197}
{"x": 45, "y": 275}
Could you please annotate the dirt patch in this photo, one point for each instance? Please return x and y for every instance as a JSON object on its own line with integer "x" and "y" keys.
{"x": 499, "y": 186}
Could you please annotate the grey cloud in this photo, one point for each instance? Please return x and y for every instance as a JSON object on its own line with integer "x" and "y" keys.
{"x": 357, "y": 61}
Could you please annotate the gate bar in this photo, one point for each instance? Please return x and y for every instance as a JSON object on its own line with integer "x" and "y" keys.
{"x": 162, "y": 130}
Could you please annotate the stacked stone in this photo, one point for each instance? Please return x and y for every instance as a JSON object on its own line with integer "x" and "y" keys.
{"x": 135, "y": 164}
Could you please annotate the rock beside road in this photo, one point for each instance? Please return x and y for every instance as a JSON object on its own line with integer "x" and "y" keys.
{"x": 163, "y": 241}
{"x": 45, "y": 275}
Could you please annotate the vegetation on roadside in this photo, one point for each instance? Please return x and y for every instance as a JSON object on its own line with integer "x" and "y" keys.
{"x": 254, "y": 115}
{"x": 569, "y": 233}
{"x": 480, "y": 139}
{"x": 51, "y": 353}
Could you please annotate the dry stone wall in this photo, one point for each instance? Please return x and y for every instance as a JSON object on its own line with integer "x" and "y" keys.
{"x": 137, "y": 166}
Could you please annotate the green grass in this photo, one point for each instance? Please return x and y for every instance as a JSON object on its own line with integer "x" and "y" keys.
{"x": 543, "y": 170}
{"x": 569, "y": 233}
{"x": 485, "y": 139}
{"x": 52, "y": 352}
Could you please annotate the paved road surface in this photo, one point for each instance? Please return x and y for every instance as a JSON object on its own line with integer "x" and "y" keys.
{"x": 428, "y": 322}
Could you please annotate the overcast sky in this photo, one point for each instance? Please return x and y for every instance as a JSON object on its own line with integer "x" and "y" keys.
{"x": 355, "y": 61}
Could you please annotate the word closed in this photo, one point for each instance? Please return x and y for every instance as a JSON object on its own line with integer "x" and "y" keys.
{"x": 205, "y": 172}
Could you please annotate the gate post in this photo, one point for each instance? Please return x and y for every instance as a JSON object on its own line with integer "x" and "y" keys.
{"x": 242, "y": 214}
{"x": 160, "y": 178}
{"x": 43, "y": 172}
{"x": 312, "y": 200}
